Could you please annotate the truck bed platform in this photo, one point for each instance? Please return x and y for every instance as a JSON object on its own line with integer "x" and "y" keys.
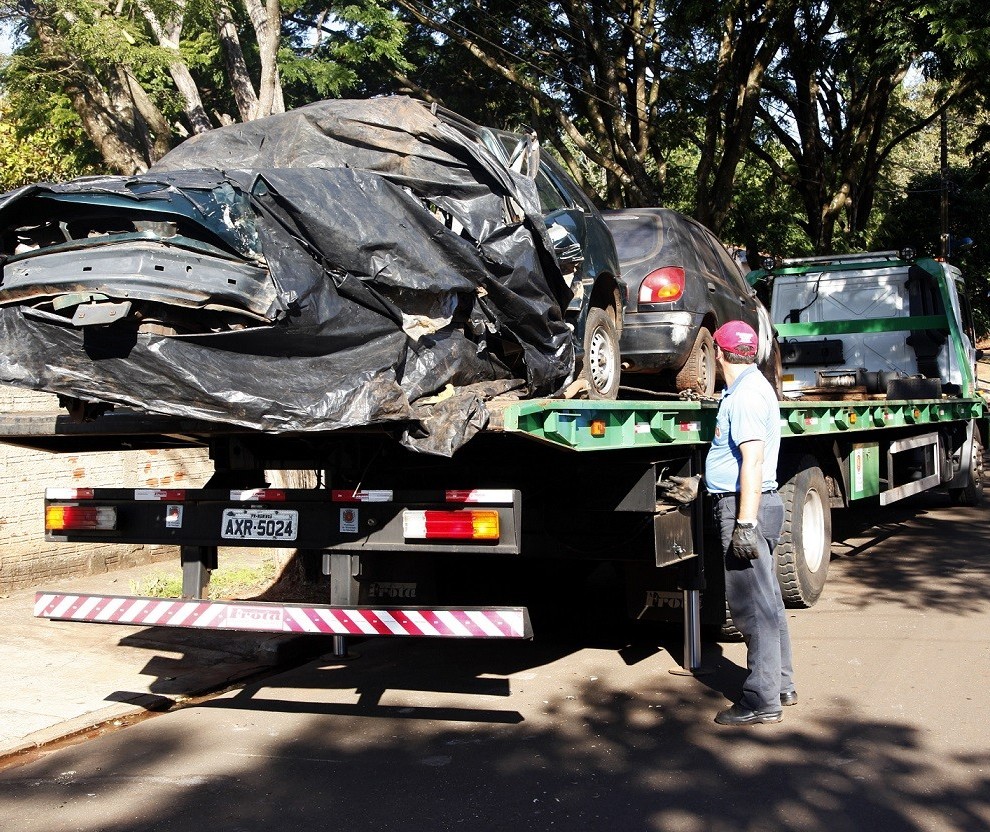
{"x": 578, "y": 425}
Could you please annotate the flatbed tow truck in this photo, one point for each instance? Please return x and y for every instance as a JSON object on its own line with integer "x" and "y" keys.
{"x": 879, "y": 402}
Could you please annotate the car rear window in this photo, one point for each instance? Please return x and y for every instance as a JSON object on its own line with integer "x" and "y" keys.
{"x": 637, "y": 237}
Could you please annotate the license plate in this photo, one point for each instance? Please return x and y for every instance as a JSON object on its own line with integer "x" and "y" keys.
{"x": 259, "y": 524}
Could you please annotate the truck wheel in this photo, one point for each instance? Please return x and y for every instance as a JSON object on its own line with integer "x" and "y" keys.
{"x": 805, "y": 544}
{"x": 601, "y": 354}
{"x": 698, "y": 372}
{"x": 972, "y": 494}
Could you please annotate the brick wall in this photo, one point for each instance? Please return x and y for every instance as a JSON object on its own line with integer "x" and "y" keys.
{"x": 26, "y": 560}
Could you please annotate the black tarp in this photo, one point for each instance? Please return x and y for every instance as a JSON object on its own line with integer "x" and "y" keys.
{"x": 414, "y": 277}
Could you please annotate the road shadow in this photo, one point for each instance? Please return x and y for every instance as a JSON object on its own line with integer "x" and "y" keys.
{"x": 923, "y": 553}
{"x": 382, "y": 748}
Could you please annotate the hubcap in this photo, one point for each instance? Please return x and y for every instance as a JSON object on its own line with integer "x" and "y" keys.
{"x": 601, "y": 360}
{"x": 813, "y": 531}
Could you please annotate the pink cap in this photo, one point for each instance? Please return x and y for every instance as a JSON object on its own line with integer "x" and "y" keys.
{"x": 737, "y": 337}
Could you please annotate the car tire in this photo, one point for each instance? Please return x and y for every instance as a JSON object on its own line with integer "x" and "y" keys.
{"x": 699, "y": 372}
{"x": 773, "y": 371}
{"x": 601, "y": 367}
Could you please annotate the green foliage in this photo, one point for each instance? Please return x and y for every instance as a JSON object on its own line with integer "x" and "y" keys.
{"x": 50, "y": 147}
{"x": 765, "y": 214}
{"x": 324, "y": 78}
{"x": 334, "y": 55}
{"x": 960, "y": 28}
{"x": 913, "y": 220}
{"x": 582, "y": 65}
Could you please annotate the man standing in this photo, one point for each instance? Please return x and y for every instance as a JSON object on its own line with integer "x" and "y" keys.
{"x": 741, "y": 476}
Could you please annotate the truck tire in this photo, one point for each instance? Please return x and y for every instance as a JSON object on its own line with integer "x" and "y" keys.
{"x": 972, "y": 494}
{"x": 601, "y": 354}
{"x": 805, "y": 543}
{"x": 699, "y": 371}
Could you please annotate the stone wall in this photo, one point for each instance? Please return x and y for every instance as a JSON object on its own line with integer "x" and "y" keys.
{"x": 26, "y": 559}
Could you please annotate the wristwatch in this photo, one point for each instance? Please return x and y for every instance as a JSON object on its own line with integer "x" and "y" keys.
{"x": 742, "y": 524}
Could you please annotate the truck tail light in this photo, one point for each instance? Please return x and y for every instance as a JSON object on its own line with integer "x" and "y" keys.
{"x": 662, "y": 285}
{"x": 450, "y": 525}
{"x": 80, "y": 518}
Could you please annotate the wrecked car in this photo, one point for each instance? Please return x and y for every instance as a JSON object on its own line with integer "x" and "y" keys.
{"x": 348, "y": 263}
{"x": 682, "y": 285}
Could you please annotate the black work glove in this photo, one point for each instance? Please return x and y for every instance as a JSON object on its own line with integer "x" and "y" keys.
{"x": 681, "y": 489}
{"x": 745, "y": 541}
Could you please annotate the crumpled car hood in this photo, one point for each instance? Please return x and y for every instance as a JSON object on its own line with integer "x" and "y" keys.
{"x": 336, "y": 266}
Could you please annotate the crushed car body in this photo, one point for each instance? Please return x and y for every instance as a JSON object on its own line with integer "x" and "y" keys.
{"x": 345, "y": 264}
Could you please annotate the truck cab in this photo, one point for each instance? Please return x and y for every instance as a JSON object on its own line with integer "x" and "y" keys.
{"x": 883, "y": 323}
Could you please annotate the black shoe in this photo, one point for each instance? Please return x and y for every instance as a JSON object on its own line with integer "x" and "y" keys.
{"x": 741, "y": 715}
{"x": 789, "y": 698}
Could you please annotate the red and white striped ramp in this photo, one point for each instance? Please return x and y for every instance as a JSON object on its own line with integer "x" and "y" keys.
{"x": 437, "y": 622}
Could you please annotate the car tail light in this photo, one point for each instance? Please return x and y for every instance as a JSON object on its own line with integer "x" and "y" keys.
{"x": 80, "y": 518}
{"x": 662, "y": 285}
{"x": 450, "y": 525}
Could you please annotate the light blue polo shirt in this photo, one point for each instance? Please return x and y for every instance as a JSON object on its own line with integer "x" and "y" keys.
{"x": 749, "y": 404}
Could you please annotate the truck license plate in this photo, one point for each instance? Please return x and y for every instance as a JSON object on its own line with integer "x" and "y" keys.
{"x": 259, "y": 524}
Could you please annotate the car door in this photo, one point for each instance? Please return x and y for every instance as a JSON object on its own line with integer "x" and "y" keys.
{"x": 748, "y": 302}
{"x": 566, "y": 223}
{"x": 730, "y": 296}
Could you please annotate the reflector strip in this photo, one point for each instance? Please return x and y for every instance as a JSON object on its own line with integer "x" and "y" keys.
{"x": 68, "y": 493}
{"x": 348, "y": 496}
{"x": 498, "y": 496}
{"x": 271, "y": 495}
{"x": 443, "y": 622}
{"x": 171, "y": 494}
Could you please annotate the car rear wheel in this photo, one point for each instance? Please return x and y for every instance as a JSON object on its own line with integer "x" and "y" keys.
{"x": 601, "y": 354}
{"x": 699, "y": 371}
{"x": 773, "y": 371}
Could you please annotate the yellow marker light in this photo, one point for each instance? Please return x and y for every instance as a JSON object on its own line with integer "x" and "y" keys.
{"x": 485, "y": 525}
{"x": 597, "y": 427}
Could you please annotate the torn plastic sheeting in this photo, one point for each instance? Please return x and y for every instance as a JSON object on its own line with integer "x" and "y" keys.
{"x": 360, "y": 261}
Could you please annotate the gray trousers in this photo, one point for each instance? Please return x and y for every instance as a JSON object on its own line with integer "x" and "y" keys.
{"x": 756, "y": 604}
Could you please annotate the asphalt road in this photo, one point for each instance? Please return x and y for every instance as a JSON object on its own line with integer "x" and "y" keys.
{"x": 587, "y": 730}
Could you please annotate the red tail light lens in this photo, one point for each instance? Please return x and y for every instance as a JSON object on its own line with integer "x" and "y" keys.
{"x": 80, "y": 518}
{"x": 662, "y": 285}
{"x": 450, "y": 525}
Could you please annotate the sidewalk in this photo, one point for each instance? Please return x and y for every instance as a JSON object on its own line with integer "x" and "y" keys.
{"x": 62, "y": 677}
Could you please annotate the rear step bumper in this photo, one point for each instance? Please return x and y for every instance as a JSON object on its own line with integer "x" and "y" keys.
{"x": 254, "y": 616}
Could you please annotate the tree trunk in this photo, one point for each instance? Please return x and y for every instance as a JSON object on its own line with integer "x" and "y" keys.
{"x": 240, "y": 79}
{"x": 115, "y": 139}
{"x": 169, "y": 35}
{"x": 118, "y": 116}
{"x": 744, "y": 55}
{"x": 266, "y": 17}
{"x": 154, "y": 129}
